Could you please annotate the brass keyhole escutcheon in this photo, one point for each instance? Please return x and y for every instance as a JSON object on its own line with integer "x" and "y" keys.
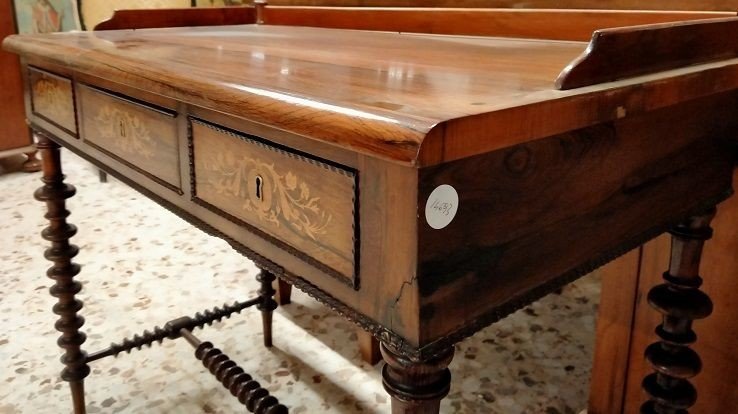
{"x": 259, "y": 188}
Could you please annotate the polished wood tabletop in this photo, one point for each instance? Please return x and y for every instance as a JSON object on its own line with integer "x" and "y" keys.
{"x": 388, "y": 90}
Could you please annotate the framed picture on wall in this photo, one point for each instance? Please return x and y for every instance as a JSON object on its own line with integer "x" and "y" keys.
{"x": 45, "y": 16}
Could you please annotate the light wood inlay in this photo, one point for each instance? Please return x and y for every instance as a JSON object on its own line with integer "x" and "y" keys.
{"x": 303, "y": 202}
{"x": 140, "y": 135}
{"x": 52, "y": 98}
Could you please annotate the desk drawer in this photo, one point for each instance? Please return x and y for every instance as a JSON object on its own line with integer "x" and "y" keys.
{"x": 137, "y": 134}
{"x": 302, "y": 204}
{"x": 52, "y": 98}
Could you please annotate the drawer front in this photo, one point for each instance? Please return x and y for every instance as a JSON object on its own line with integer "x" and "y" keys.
{"x": 52, "y": 98}
{"x": 139, "y": 135}
{"x": 301, "y": 204}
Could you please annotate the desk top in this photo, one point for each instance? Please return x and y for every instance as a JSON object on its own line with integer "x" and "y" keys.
{"x": 372, "y": 92}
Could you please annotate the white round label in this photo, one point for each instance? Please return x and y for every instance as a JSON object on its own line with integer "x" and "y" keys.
{"x": 441, "y": 206}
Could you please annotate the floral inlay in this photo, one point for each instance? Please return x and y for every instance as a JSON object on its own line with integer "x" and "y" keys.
{"x": 126, "y": 131}
{"x": 279, "y": 198}
{"x": 51, "y": 100}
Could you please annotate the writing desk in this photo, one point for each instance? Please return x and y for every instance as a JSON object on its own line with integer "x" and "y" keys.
{"x": 422, "y": 185}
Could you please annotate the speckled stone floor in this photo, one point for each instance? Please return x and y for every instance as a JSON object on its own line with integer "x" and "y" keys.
{"x": 143, "y": 266}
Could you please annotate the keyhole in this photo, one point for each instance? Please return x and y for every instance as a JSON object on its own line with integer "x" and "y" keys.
{"x": 259, "y": 188}
{"x": 122, "y": 127}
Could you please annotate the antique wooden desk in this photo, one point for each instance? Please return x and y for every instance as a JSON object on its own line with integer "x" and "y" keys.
{"x": 422, "y": 185}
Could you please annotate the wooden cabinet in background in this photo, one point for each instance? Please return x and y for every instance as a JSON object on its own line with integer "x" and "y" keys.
{"x": 15, "y": 137}
{"x": 626, "y": 323}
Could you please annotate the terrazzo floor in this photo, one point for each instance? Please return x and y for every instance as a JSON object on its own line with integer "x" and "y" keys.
{"x": 143, "y": 266}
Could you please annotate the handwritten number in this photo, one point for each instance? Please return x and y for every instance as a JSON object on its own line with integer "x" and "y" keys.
{"x": 441, "y": 207}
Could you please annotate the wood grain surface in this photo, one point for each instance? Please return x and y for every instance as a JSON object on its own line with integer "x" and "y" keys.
{"x": 298, "y": 200}
{"x": 140, "y": 134}
{"x": 595, "y": 188}
{"x": 625, "y": 52}
{"x": 392, "y": 92}
{"x": 151, "y": 18}
{"x": 577, "y": 25}
{"x": 52, "y": 97}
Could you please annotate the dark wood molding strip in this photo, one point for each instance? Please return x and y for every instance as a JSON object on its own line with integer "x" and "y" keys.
{"x": 552, "y": 24}
{"x": 157, "y": 18}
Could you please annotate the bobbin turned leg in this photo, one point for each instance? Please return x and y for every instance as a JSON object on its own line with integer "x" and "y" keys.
{"x": 63, "y": 270}
{"x": 416, "y": 387}
{"x": 681, "y": 302}
{"x": 267, "y": 304}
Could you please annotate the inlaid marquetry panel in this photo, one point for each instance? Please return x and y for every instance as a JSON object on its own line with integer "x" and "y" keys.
{"x": 138, "y": 134}
{"x": 52, "y": 98}
{"x": 305, "y": 205}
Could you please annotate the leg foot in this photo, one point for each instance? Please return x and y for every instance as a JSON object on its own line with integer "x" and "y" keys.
{"x": 681, "y": 302}
{"x": 54, "y": 193}
{"x": 416, "y": 387}
{"x": 267, "y": 305}
{"x": 32, "y": 163}
{"x": 103, "y": 176}
{"x": 284, "y": 292}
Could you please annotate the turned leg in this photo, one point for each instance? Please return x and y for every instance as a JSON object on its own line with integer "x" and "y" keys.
{"x": 63, "y": 270}
{"x": 32, "y": 164}
{"x": 284, "y": 292}
{"x": 267, "y": 304}
{"x": 416, "y": 387}
{"x": 681, "y": 302}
